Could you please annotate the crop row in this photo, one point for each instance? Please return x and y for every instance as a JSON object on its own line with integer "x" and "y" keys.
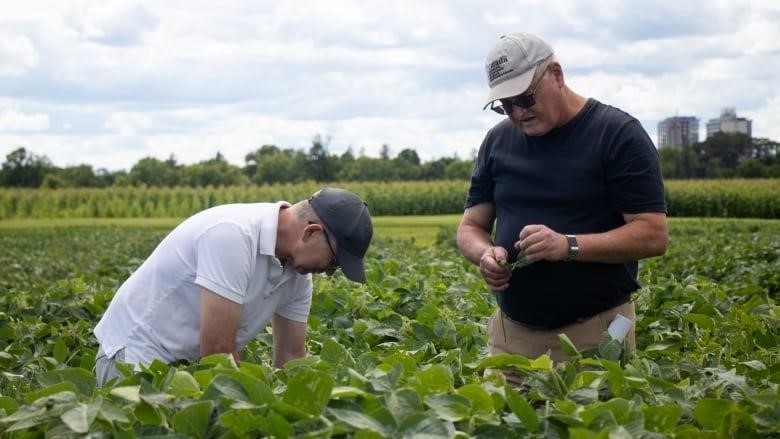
{"x": 403, "y": 355}
{"x": 701, "y": 198}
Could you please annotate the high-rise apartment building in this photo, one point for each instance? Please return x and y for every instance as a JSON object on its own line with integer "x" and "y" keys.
{"x": 728, "y": 122}
{"x": 678, "y": 131}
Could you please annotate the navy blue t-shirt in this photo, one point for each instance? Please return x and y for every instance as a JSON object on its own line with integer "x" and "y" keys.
{"x": 577, "y": 179}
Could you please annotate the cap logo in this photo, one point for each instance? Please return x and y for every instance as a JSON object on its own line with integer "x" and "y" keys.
{"x": 497, "y": 69}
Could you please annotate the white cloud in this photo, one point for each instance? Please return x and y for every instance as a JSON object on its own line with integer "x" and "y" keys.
{"x": 12, "y": 120}
{"x": 109, "y": 82}
{"x": 17, "y": 55}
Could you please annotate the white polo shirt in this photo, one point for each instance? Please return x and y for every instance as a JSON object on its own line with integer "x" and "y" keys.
{"x": 228, "y": 249}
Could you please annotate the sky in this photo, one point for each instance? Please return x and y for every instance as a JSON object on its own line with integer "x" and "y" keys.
{"x": 107, "y": 83}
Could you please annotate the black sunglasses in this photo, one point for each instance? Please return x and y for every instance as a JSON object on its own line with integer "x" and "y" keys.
{"x": 525, "y": 100}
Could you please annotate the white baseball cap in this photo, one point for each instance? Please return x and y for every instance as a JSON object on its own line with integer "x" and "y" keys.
{"x": 511, "y": 64}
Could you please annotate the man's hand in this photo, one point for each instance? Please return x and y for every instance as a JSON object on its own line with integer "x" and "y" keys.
{"x": 493, "y": 267}
{"x": 541, "y": 243}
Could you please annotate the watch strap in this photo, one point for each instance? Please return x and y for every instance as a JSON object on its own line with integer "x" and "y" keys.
{"x": 574, "y": 248}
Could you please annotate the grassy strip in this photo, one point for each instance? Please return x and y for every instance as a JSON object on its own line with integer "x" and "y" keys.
{"x": 421, "y": 229}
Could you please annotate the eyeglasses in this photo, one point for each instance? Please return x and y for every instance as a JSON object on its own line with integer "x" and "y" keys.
{"x": 334, "y": 260}
{"x": 525, "y": 100}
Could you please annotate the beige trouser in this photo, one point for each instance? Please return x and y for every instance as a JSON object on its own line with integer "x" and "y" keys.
{"x": 531, "y": 343}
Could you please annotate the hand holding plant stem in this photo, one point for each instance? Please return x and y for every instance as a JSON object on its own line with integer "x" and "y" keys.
{"x": 520, "y": 262}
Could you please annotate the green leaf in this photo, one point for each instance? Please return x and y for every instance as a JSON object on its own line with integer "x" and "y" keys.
{"x": 194, "y": 419}
{"x": 224, "y": 360}
{"x": 8, "y": 404}
{"x": 700, "y": 320}
{"x": 543, "y": 362}
{"x": 183, "y": 385}
{"x": 424, "y": 425}
{"x": 83, "y": 379}
{"x": 258, "y": 390}
{"x": 243, "y": 421}
{"x": 662, "y": 346}
{"x": 309, "y": 390}
{"x": 358, "y": 420}
{"x": 610, "y": 413}
{"x": 451, "y": 408}
{"x": 80, "y": 417}
{"x": 278, "y": 426}
{"x": 435, "y": 379}
{"x": 404, "y": 402}
{"x": 335, "y": 354}
{"x": 568, "y": 346}
{"x": 662, "y": 419}
{"x": 147, "y": 414}
{"x": 610, "y": 349}
{"x": 754, "y": 364}
{"x": 522, "y": 409}
{"x": 224, "y": 386}
{"x": 504, "y": 361}
{"x": 584, "y": 433}
{"x": 60, "y": 350}
{"x": 346, "y": 392}
{"x": 112, "y": 414}
{"x": 51, "y": 390}
{"x": 128, "y": 393}
{"x": 584, "y": 395}
{"x": 479, "y": 398}
{"x": 712, "y": 412}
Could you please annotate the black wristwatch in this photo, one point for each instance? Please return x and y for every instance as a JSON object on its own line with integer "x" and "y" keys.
{"x": 574, "y": 248}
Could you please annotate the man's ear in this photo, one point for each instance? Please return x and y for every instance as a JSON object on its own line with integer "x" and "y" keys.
{"x": 309, "y": 230}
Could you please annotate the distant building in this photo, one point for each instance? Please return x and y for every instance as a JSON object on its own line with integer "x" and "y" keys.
{"x": 678, "y": 131}
{"x": 728, "y": 122}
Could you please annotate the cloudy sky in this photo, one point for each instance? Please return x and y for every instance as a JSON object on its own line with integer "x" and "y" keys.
{"x": 107, "y": 83}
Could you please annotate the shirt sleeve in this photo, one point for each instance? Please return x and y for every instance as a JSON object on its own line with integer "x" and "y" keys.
{"x": 298, "y": 306}
{"x": 634, "y": 172}
{"x": 225, "y": 259}
{"x": 482, "y": 184}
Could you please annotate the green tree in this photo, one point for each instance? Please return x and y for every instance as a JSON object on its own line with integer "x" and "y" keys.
{"x": 154, "y": 172}
{"x": 79, "y": 176}
{"x": 279, "y": 167}
{"x": 434, "y": 170}
{"x": 23, "y": 169}
{"x": 409, "y": 156}
{"x": 255, "y": 157}
{"x": 319, "y": 165}
{"x": 752, "y": 168}
{"x": 214, "y": 172}
{"x": 721, "y": 153}
{"x": 459, "y": 170}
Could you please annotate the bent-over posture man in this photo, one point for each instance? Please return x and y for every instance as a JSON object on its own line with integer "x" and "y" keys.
{"x": 220, "y": 276}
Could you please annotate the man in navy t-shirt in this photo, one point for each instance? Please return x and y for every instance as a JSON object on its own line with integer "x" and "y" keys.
{"x": 574, "y": 190}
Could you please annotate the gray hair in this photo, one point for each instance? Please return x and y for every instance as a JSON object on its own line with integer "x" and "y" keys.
{"x": 305, "y": 212}
{"x": 541, "y": 67}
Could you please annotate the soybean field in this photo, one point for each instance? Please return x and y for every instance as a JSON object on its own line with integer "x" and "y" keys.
{"x": 403, "y": 355}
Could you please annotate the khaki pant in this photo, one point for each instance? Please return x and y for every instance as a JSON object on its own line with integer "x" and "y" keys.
{"x": 532, "y": 343}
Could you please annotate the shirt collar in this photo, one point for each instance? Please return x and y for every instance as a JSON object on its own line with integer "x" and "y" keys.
{"x": 269, "y": 225}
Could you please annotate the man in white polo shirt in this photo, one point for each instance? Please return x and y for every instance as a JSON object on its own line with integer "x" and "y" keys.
{"x": 220, "y": 276}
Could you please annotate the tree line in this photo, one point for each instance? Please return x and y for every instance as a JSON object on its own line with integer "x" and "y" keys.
{"x": 719, "y": 156}
{"x": 268, "y": 164}
{"x": 723, "y": 155}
